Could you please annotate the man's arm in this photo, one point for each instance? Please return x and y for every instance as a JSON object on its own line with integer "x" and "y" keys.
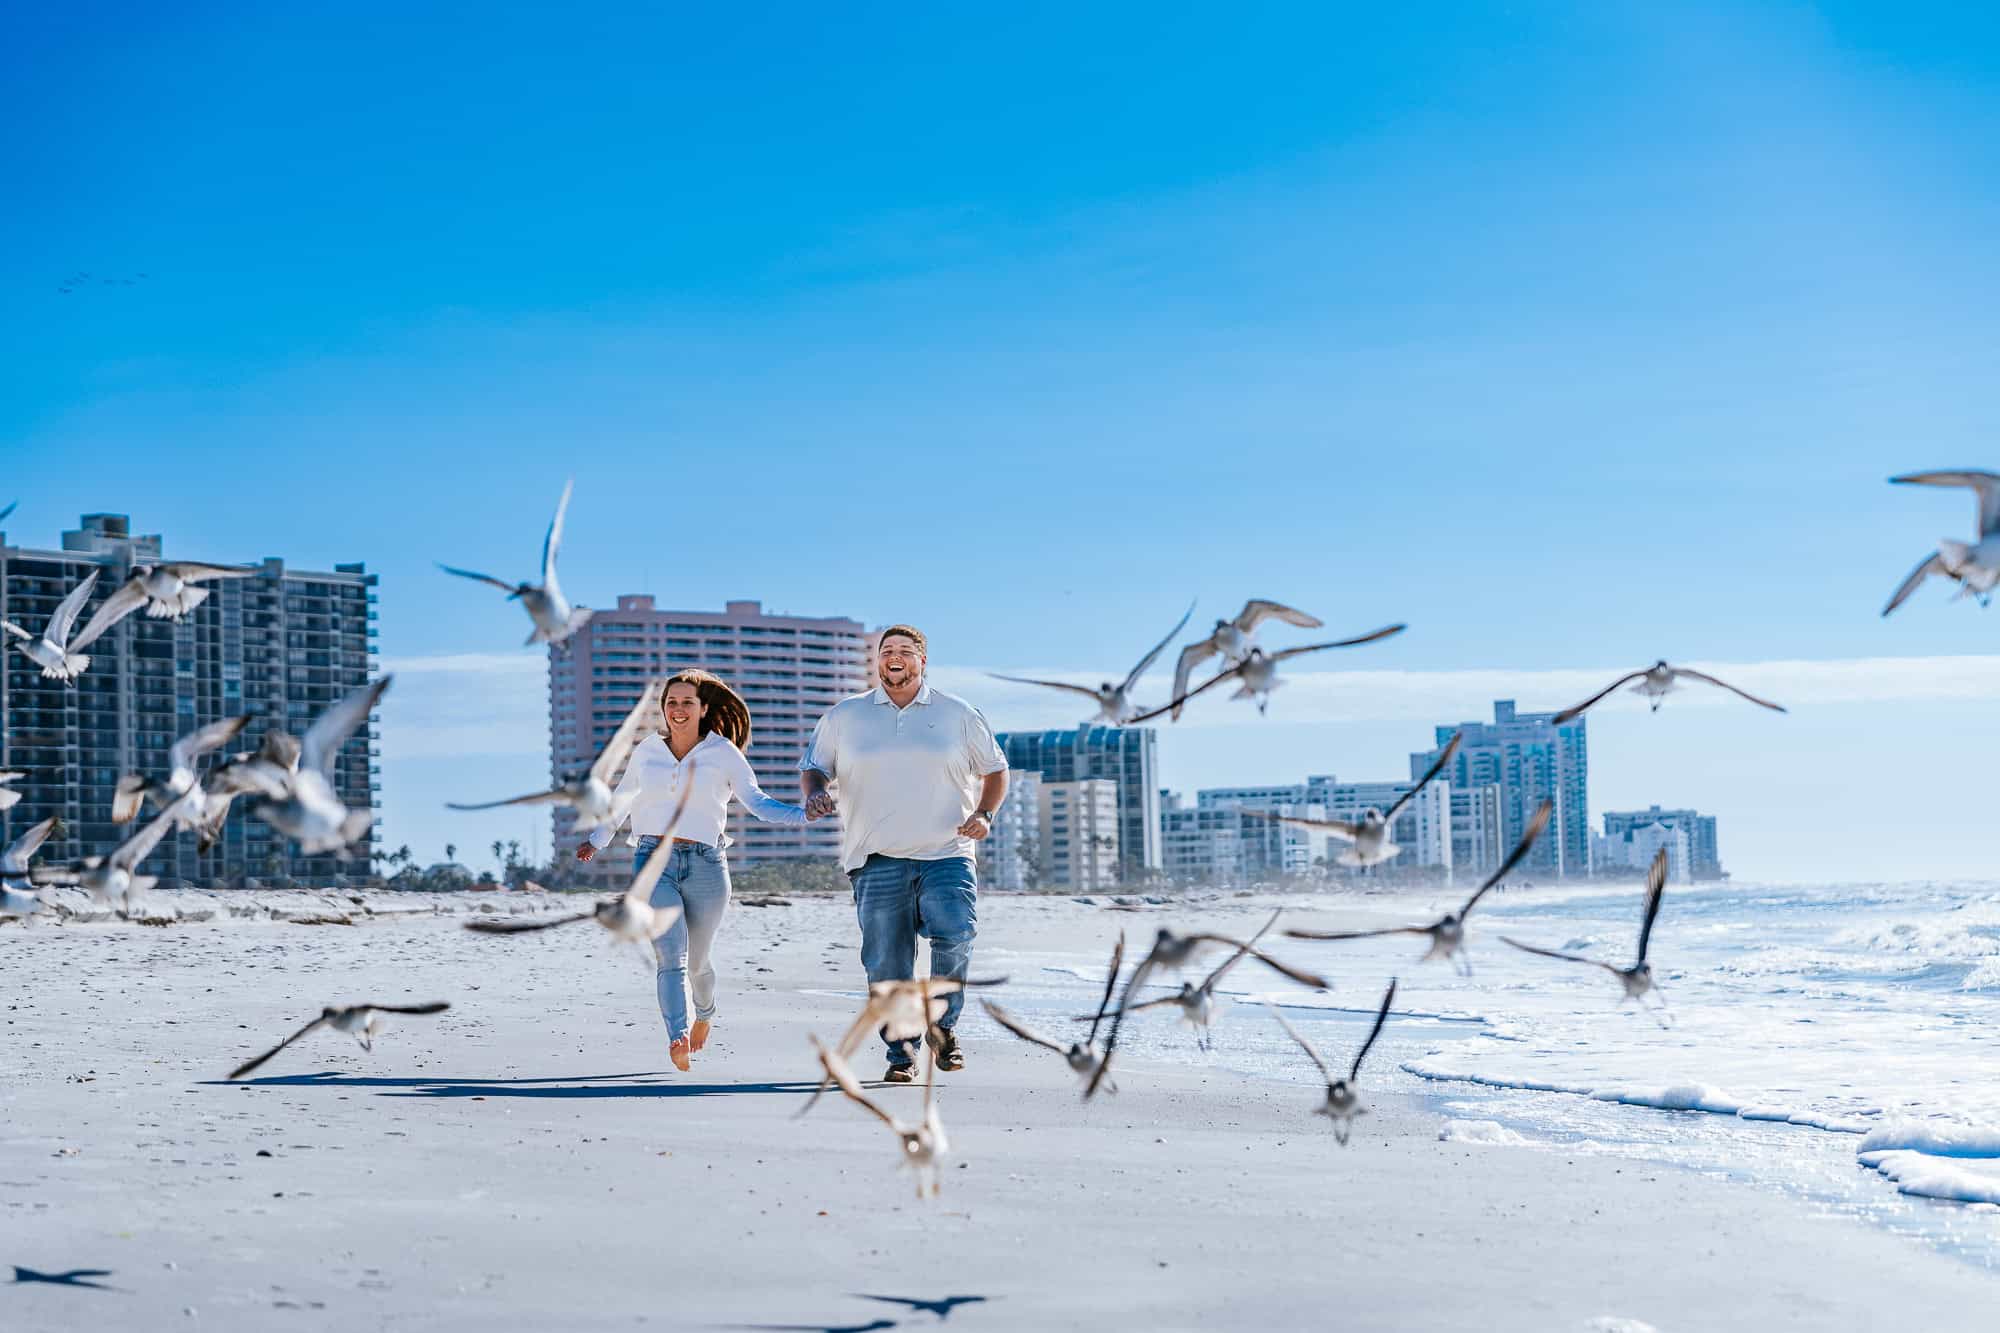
{"x": 992, "y": 791}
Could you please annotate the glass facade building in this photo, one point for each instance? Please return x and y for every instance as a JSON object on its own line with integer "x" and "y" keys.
{"x": 1530, "y": 760}
{"x": 1127, "y": 756}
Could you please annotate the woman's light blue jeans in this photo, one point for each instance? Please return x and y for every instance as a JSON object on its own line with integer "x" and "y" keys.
{"x": 696, "y": 880}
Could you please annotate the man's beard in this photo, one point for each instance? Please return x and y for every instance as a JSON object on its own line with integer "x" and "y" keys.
{"x": 907, "y": 678}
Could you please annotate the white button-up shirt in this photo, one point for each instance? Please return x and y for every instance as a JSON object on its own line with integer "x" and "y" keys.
{"x": 719, "y": 772}
{"x": 908, "y": 777}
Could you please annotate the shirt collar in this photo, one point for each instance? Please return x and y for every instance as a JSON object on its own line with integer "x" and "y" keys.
{"x": 881, "y": 696}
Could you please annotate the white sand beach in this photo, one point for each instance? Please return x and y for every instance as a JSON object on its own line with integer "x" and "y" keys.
{"x": 529, "y": 1160}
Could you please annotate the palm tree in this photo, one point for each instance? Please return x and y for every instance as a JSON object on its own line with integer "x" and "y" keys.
{"x": 451, "y": 851}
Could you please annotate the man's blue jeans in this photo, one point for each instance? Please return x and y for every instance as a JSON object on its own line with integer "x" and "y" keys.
{"x": 898, "y": 899}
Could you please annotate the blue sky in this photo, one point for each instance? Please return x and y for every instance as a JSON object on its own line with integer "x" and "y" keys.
{"x": 1574, "y": 335}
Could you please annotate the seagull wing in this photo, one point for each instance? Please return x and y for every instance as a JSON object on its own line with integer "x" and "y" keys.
{"x": 194, "y": 571}
{"x": 1110, "y": 984}
{"x": 619, "y": 748}
{"x": 1047, "y": 684}
{"x": 250, "y": 1065}
{"x": 1180, "y": 699}
{"x": 1013, "y": 1025}
{"x": 1304, "y": 1045}
{"x": 1191, "y": 657}
{"x": 129, "y": 598}
{"x": 1297, "y": 934}
{"x": 1986, "y": 485}
{"x": 1692, "y": 674}
{"x": 1148, "y": 1004}
{"x": 1381, "y": 1017}
{"x": 843, "y": 1078}
{"x": 331, "y": 729}
{"x": 1132, "y": 676}
{"x": 1340, "y": 827}
{"x": 1450, "y": 749}
{"x": 1298, "y": 974}
{"x": 1256, "y": 611}
{"x": 66, "y": 611}
{"x": 1528, "y": 836}
{"x": 1656, "y": 885}
{"x": 1570, "y": 714}
{"x": 508, "y": 588}
{"x": 552, "y": 543}
{"x": 523, "y": 927}
{"x": 434, "y": 1007}
{"x": 1386, "y": 632}
{"x": 556, "y": 797}
{"x": 200, "y": 741}
{"x": 16, "y": 630}
{"x": 1931, "y": 564}
{"x": 1249, "y": 946}
{"x": 14, "y": 861}
{"x": 141, "y": 844}
{"x": 1132, "y": 986}
{"x": 1556, "y": 953}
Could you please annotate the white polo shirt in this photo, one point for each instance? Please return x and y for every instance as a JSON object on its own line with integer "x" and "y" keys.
{"x": 908, "y": 776}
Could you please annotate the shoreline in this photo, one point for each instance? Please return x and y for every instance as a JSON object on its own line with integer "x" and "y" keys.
{"x": 530, "y": 1160}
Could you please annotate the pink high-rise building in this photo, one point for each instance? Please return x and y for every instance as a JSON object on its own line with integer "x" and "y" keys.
{"x": 789, "y": 670}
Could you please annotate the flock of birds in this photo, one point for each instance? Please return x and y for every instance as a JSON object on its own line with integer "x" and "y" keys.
{"x": 289, "y": 781}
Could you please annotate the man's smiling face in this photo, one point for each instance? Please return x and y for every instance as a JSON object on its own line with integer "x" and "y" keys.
{"x": 899, "y": 662}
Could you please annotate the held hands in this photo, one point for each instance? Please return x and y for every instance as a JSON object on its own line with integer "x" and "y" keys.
{"x": 819, "y": 805}
{"x": 585, "y": 851}
{"x": 975, "y": 827}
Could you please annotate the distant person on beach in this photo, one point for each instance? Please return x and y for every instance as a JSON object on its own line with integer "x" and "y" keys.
{"x": 921, "y": 778}
{"x": 708, "y": 728}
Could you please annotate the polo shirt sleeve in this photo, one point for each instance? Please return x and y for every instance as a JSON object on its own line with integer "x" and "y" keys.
{"x": 823, "y": 750}
{"x": 983, "y": 752}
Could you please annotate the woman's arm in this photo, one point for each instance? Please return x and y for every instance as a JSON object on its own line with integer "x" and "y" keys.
{"x": 625, "y": 796}
{"x": 743, "y": 781}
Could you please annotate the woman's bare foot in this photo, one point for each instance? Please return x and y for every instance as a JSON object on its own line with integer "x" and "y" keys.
{"x": 678, "y": 1053}
{"x": 698, "y": 1038}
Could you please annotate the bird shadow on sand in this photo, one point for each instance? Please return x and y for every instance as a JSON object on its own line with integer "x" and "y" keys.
{"x": 75, "y": 1277}
{"x": 941, "y": 1307}
{"x": 574, "y": 1087}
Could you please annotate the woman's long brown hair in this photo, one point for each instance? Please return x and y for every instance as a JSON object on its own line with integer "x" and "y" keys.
{"x": 727, "y": 713}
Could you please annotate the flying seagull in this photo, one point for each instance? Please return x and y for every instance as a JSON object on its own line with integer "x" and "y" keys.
{"x": 17, "y": 897}
{"x": 1197, "y": 1003}
{"x": 1083, "y": 1057}
{"x": 1343, "y": 1102}
{"x": 631, "y": 916}
{"x": 363, "y": 1020}
{"x": 1257, "y": 673}
{"x": 310, "y": 811}
{"x": 1656, "y": 682}
{"x": 52, "y": 650}
{"x": 1368, "y": 838}
{"x": 901, "y": 1011}
{"x": 923, "y": 1144}
{"x": 1172, "y": 952}
{"x": 1114, "y": 702}
{"x": 1447, "y": 933}
{"x": 1974, "y": 566}
{"x": 135, "y": 790}
{"x": 8, "y": 510}
{"x": 1231, "y": 640}
{"x": 166, "y": 591}
{"x": 114, "y": 880}
{"x": 267, "y": 771}
{"x": 590, "y": 794}
{"x": 1638, "y": 978}
{"x": 555, "y": 619}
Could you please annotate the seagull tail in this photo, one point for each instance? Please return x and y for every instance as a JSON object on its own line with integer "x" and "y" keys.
{"x": 182, "y": 602}
{"x": 73, "y": 665}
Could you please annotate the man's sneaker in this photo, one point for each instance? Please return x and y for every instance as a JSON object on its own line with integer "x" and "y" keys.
{"x": 945, "y": 1043}
{"x": 904, "y": 1073}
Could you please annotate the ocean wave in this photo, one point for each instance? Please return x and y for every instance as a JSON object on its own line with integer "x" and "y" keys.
{"x": 1973, "y": 933}
{"x": 1480, "y": 1131}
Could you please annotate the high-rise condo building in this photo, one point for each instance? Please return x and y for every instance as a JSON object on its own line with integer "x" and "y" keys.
{"x": 1626, "y": 838}
{"x": 1079, "y": 833}
{"x": 789, "y": 670}
{"x": 1531, "y": 760}
{"x": 1011, "y": 857}
{"x": 1222, "y": 841}
{"x": 279, "y": 646}
{"x": 1127, "y": 756}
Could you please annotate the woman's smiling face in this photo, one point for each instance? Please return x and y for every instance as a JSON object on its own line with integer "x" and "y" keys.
{"x": 683, "y": 706}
